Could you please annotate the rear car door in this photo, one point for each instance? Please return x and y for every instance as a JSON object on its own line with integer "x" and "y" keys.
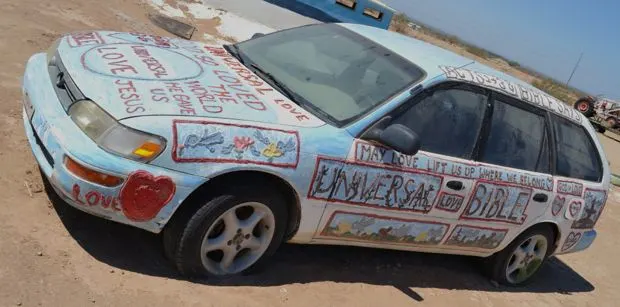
{"x": 514, "y": 184}
{"x": 379, "y": 197}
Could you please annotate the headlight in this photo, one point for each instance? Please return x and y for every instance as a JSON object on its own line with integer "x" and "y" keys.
{"x": 51, "y": 52}
{"x": 114, "y": 137}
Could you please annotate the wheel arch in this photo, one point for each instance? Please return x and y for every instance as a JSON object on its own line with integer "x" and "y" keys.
{"x": 555, "y": 229}
{"x": 209, "y": 188}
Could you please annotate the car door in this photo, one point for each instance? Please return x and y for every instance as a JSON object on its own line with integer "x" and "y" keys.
{"x": 514, "y": 185}
{"x": 380, "y": 197}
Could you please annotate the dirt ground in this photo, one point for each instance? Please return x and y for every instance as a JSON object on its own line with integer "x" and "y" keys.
{"x": 53, "y": 255}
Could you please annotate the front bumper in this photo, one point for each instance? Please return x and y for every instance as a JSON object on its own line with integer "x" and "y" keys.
{"x": 53, "y": 136}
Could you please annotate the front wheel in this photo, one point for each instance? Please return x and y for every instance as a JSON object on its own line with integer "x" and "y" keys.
{"x": 520, "y": 261}
{"x": 231, "y": 233}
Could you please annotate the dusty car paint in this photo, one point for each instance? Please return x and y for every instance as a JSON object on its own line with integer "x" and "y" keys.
{"x": 218, "y": 117}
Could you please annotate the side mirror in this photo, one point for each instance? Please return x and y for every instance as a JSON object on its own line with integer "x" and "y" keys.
{"x": 257, "y": 35}
{"x": 400, "y": 138}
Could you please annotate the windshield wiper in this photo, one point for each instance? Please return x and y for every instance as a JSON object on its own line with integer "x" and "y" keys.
{"x": 290, "y": 94}
{"x": 234, "y": 51}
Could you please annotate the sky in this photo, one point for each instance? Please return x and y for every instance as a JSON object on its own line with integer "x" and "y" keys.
{"x": 546, "y": 35}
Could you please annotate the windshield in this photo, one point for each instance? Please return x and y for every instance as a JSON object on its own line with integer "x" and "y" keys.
{"x": 335, "y": 72}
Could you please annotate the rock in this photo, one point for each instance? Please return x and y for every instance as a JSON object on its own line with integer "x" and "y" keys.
{"x": 19, "y": 303}
{"x": 39, "y": 254}
{"x": 111, "y": 271}
{"x": 92, "y": 300}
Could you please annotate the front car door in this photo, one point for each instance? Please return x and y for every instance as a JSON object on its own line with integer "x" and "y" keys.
{"x": 379, "y": 197}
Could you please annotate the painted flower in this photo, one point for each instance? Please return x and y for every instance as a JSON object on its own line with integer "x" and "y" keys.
{"x": 272, "y": 151}
{"x": 242, "y": 143}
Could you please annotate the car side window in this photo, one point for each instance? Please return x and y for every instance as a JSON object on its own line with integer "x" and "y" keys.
{"x": 577, "y": 156}
{"x": 447, "y": 121}
{"x": 517, "y": 139}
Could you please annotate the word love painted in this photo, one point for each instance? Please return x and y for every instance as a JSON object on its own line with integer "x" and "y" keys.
{"x": 498, "y": 203}
{"x": 510, "y": 88}
{"x": 94, "y": 198}
{"x": 375, "y": 228}
{"x": 366, "y": 152}
{"x": 140, "y": 62}
{"x": 449, "y": 202}
{"x": 359, "y": 184}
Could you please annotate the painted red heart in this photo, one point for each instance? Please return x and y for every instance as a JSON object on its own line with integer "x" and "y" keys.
{"x": 571, "y": 240}
{"x": 574, "y": 208}
{"x": 143, "y": 195}
{"x": 558, "y": 204}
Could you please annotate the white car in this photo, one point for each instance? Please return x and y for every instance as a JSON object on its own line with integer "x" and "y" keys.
{"x": 325, "y": 134}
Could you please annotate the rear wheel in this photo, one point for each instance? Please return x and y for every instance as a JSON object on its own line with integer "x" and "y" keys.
{"x": 585, "y": 106}
{"x": 612, "y": 122}
{"x": 520, "y": 261}
{"x": 229, "y": 234}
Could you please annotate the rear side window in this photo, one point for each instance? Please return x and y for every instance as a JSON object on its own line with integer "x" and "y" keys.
{"x": 518, "y": 139}
{"x": 447, "y": 121}
{"x": 576, "y": 155}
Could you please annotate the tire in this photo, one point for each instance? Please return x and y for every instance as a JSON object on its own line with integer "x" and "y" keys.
{"x": 599, "y": 128}
{"x": 214, "y": 218}
{"x": 585, "y": 106}
{"x": 612, "y": 122}
{"x": 500, "y": 262}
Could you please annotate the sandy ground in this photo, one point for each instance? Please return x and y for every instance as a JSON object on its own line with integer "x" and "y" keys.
{"x": 53, "y": 255}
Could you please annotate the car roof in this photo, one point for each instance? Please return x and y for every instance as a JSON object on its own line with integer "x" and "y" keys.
{"x": 441, "y": 64}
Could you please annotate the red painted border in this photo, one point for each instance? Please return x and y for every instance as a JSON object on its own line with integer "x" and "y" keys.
{"x": 473, "y": 194}
{"x": 331, "y": 218}
{"x": 502, "y": 230}
{"x": 605, "y": 192}
{"x": 440, "y": 196}
{"x": 395, "y": 169}
{"x": 447, "y": 159}
{"x": 557, "y": 190}
{"x": 201, "y": 160}
{"x": 68, "y": 38}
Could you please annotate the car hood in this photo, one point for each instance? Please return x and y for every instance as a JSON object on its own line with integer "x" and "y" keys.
{"x": 131, "y": 74}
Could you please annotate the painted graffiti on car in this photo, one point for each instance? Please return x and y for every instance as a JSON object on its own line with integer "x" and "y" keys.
{"x": 79, "y": 39}
{"x": 375, "y": 228}
{"x": 143, "y": 195}
{"x": 370, "y": 153}
{"x": 449, "y": 202}
{"x": 594, "y": 202}
{"x": 557, "y": 205}
{"x": 476, "y": 237}
{"x": 570, "y": 188}
{"x": 571, "y": 240}
{"x": 206, "y": 141}
{"x": 518, "y": 91}
{"x": 498, "y": 203}
{"x": 574, "y": 207}
{"x": 365, "y": 185}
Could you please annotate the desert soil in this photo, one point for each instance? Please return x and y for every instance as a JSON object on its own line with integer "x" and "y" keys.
{"x": 53, "y": 255}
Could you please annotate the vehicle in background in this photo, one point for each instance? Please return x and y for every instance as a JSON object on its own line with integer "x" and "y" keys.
{"x": 603, "y": 113}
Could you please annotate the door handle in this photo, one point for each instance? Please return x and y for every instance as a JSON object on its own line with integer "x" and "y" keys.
{"x": 540, "y": 197}
{"x": 455, "y": 185}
